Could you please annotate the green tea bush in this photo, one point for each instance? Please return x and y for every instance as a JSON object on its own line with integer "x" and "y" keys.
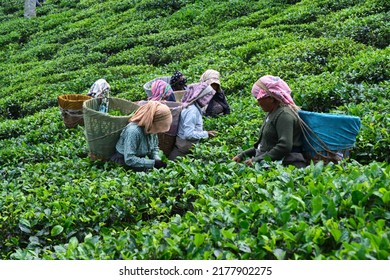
{"x": 294, "y": 14}
{"x": 123, "y": 6}
{"x": 56, "y": 203}
{"x": 373, "y": 139}
{"x": 306, "y": 57}
{"x": 187, "y": 17}
{"x": 370, "y": 66}
{"x": 272, "y": 217}
{"x": 38, "y": 53}
{"x": 214, "y": 13}
{"x": 363, "y": 23}
{"x": 169, "y": 38}
{"x": 334, "y": 6}
{"x": 113, "y": 45}
{"x": 10, "y": 7}
{"x": 6, "y": 39}
{"x": 372, "y": 30}
{"x": 314, "y": 95}
{"x": 161, "y": 5}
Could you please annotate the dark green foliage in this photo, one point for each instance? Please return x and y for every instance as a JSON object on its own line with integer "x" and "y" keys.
{"x": 55, "y": 203}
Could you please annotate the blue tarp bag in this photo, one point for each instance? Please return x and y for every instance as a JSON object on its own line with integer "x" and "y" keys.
{"x": 328, "y": 136}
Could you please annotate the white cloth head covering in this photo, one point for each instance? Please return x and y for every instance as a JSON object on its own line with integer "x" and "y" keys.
{"x": 99, "y": 89}
{"x": 211, "y": 77}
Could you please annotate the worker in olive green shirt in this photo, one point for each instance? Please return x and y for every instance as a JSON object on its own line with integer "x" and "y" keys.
{"x": 280, "y": 135}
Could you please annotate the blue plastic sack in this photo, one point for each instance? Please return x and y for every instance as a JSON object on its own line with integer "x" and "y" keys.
{"x": 336, "y": 131}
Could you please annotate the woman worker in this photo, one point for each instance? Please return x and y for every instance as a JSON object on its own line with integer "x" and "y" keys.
{"x": 178, "y": 81}
{"x": 190, "y": 130}
{"x": 280, "y": 135}
{"x": 218, "y": 104}
{"x": 137, "y": 147}
{"x": 161, "y": 90}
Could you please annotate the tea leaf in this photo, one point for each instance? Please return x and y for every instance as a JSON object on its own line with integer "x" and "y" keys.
{"x": 56, "y": 230}
{"x": 199, "y": 239}
{"x": 316, "y": 204}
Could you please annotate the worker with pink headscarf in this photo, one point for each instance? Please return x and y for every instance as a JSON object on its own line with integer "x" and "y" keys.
{"x": 280, "y": 135}
{"x": 190, "y": 129}
{"x": 161, "y": 90}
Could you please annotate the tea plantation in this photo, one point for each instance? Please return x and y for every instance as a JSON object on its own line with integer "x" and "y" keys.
{"x": 56, "y": 203}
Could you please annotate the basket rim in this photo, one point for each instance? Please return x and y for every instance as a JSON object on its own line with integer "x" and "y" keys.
{"x": 72, "y": 101}
{"x": 105, "y": 114}
{"x": 63, "y": 97}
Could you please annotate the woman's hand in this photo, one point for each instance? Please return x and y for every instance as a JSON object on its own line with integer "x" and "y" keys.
{"x": 237, "y": 159}
{"x": 249, "y": 162}
{"x": 212, "y": 133}
{"x": 159, "y": 164}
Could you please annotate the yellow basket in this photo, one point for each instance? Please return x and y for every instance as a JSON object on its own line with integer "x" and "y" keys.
{"x": 71, "y": 106}
{"x": 72, "y": 101}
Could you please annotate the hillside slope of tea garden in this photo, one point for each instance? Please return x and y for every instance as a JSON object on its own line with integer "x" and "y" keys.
{"x": 56, "y": 203}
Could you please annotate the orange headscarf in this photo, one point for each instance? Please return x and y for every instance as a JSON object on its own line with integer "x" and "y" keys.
{"x": 154, "y": 116}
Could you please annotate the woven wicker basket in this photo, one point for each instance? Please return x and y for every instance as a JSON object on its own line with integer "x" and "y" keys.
{"x": 102, "y": 130}
{"x": 71, "y": 106}
{"x": 166, "y": 140}
{"x": 166, "y": 143}
{"x": 179, "y": 95}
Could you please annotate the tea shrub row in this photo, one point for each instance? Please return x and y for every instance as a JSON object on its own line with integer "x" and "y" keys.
{"x": 58, "y": 204}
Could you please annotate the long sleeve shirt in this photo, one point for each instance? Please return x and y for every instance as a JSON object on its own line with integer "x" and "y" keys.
{"x": 191, "y": 124}
{"x": 280, "y": 134}
{"x": 140, "y": 149}
{"x": 218, "y": 105}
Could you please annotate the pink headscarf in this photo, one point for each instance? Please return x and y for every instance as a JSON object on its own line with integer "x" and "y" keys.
{"x": 200, "y": 92}
{"x": 274, "y": 86}
{"x": 160, "y": 90}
